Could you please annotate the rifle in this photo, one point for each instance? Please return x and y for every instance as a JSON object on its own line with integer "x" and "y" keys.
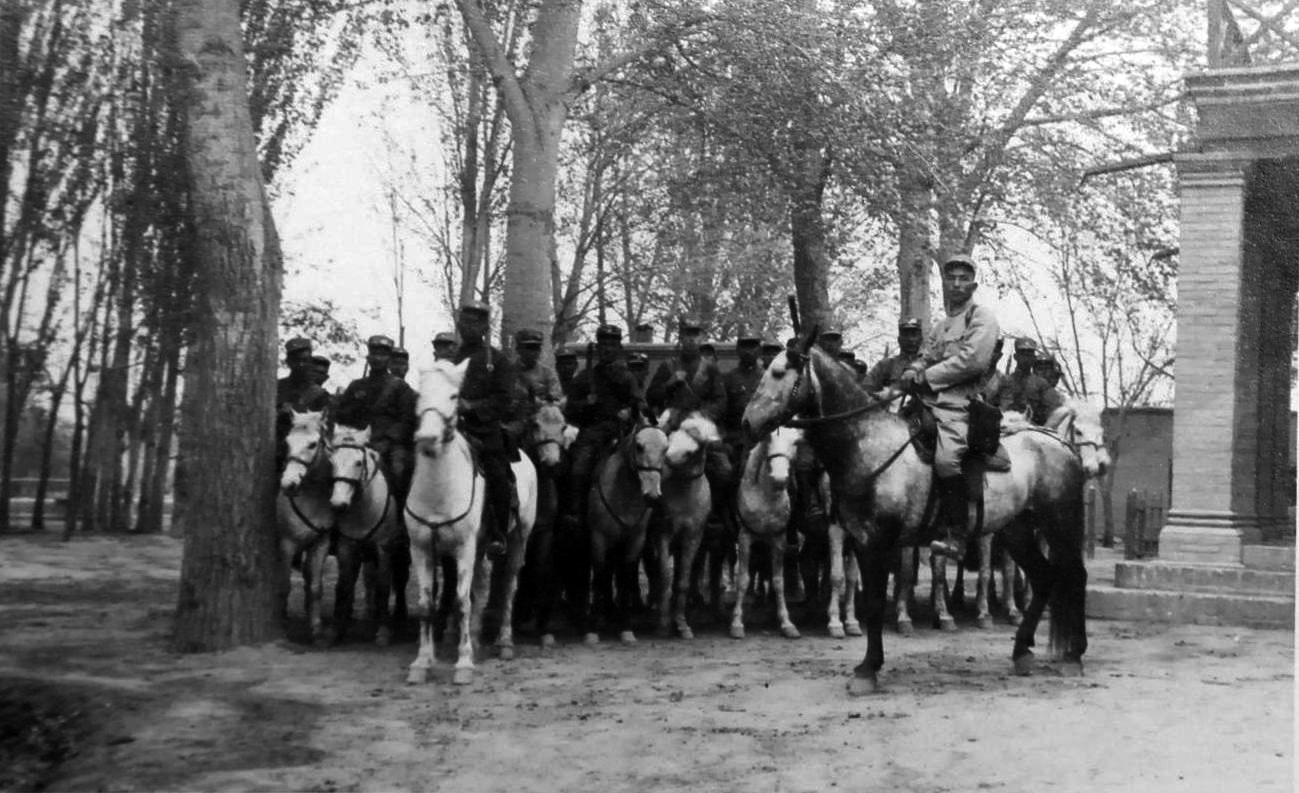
{"x": 793, "y": 315}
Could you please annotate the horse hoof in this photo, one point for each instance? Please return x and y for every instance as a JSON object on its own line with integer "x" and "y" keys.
{"x": 836, "y": 632}
{"x": 419, "y": 675}
{"x": 663, "y": 631}
{"x": 627, "y": 637}
{"x": 852, "y": 628}
{"x": 863, "y": 684}
{"x": 547, "y": 641}
{"x": 1015, "y": 618}
{"x": 383, "y": 637}
{"x": 591, "y": 639}
{"x": 737, "y": 631}
{"x": 984, "y": 623}
{"x": 686, "y": 633}
{"x": 790, "y": 632}
{"x": 905, "y": 628}
{"x": 947, "y": 625}
{"x": 506, "y": 652}
{"x": 1024, "y": 665}
{"x": 1070, "y": 667}
{"x": 462, "y": 676}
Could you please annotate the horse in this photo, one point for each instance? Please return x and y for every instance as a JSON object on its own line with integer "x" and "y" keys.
{"x": 882, "y": 490}
{"x": 763, "y": 512}
{"x": 547, "y": 435}
{"x": 304, "y": 515}
{"x": 444, "y": 510}
{"x": 367, "y": 524}
{"x": 687, "y": 502}
{"x": 823, "y": 556}
{"x": 626, "y": 487}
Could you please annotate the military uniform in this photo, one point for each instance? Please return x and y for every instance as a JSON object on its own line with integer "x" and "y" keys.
{"x": 535, "y": 383}
{"x": 386, "y": 404}
{"x": 299, "y": 391}
{"x": 602, "y": 397}
{"x": 739, "y": 385}
{"x": 888, "y": 372}
{"x": 694, "y": 385}
{"x": 565, "y": 370}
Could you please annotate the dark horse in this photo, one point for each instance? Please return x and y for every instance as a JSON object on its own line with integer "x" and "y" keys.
{"x": 882, "y": 489}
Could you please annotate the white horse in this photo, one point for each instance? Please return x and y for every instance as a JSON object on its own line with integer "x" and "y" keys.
{"x": 304, "y": 515}
{"x": 763, "y": 510}
{"x": 444, "y": 512}
{"x": 687, "y": 501}
{"x": 368, "y": 528}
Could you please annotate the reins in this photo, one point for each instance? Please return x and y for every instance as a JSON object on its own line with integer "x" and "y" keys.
{"x": 473, "y": 491}
{"x": 322, "y": 448}
{"x": 359, "y": 487}
{"x": 631, "y": 466}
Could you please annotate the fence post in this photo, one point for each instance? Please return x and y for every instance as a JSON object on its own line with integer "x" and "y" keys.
{"x": 1089, "y": 509}
{"x": 1131, "y": 537}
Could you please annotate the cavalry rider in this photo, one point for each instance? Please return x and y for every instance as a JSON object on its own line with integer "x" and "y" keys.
{"x": 399, "y": 365}
{"x": 1047, "y": 368}
{"x": 386, "y": 405}
{"x": 739, "y": 384}
{"x": 888, "y": 372}
{"x": 693, "y": 382}
{"x": 603, "y": 399}
{"x": 535, "y": 383}
{"x": 1023, "y": 391}
{"x": 565, "y": 369}
{"x": 444, "y": 346}
{"x": 486, "y": 405}
{"x": 948, "y": 373}
{"x": 299, "y": 391}
{"x": 638, "y": 365}
{"x": 320, "y": 369}
{"x": 831, "y": 342}
{"x": 768, "y": 352}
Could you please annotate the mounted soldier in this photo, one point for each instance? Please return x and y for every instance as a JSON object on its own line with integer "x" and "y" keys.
{"x": 385, "y": 404}
{"x": 486, "y": 406}
{"x": 945, "y": 377}
{"x": 638, "y": 365}
{"x": 739, "y": 384}
{"x": 692, "y": 382}
{"x": 400, "y": 363}
{"x": 565, "y": 369}
{"x": 603, "y": 400}
{"x": 535, "y": 384}
{"x": 320, "y": 370}
{"x": 888, "y": 372}
{"x": 298, "y": 391}
{"x": 768, "y": 352}
{"x": 444, "y": 346}
{"x": 1024, "y": 391}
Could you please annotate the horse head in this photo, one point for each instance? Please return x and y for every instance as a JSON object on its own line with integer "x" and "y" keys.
{"x": 689, "y": 441}
{"x": 351, "y": 460}
{"x": 546, "y": 435}
{"x": 439, "y": 395}
{"x": 646, "y": 449}
{"x": 778, "y": 395}
{"x": 306, "y": 448}
{"x": 781, "y": 449}
{"x": 1081, "y": 427}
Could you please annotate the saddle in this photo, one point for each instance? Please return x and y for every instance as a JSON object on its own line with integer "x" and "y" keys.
{"x": 986, "y": 450}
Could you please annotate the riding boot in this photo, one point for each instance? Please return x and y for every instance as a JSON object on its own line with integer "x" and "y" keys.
{"x": 497, "y": 532}
{"x": 955, "y": 514}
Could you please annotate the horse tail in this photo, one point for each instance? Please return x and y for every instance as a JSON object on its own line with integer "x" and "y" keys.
{"x": 1068, "y": 599}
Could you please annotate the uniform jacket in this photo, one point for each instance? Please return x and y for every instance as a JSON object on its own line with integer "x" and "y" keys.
{"x": 299, "y": 395}
{"x": 615, "y": 388}
{"x": 1025, "y": 392}
{"x": 487, "y": 393}
{"x": 888, "y": 372}
{"x": 959, "y": 350}
{"x": 739, "y": 386}
{"x": 701, "y": 390}
{"x": 535, "y": 386}
{"x": 386, "y": 404}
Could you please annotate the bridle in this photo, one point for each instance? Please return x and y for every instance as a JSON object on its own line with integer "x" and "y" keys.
{"x": 633, "y": 466}
{"x": 322, "y": 447}
{"x": 695, "y": 458}
{"x": 788, "y": 416}
{"x": 448, "y": 422}
{"x": 370, "y": 469}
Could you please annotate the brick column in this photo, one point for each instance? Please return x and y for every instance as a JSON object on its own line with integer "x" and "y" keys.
{"x": 1215, "y": 423}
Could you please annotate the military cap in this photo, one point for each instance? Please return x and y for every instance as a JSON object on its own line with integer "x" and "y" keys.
{"x": 380, "y": 342}
{"x": 608, "y": 333}
{"x": 400, "y": 352}
{"x": 638, "y": 360}
{"x": 911, "y": 323}
{"x": 297, "y": 344}
{"x": 321, "y": 361}
{"x": 566, "y": 353}
{"x": 1043, "y": 357}
{"x": 708, "y": 348}
{"x": 476, "y": 307}
{"x": 772, "y": 346}
{"x": 848, "y": 355}
{"x": 444, "y": 337}
{"x": 528, "y": 337}
{"x": 746, "y": 339}
{"x": 1025, "y": 343}
{"x": 691, "y": 325}
{"x": 960, "y": 260}
{"x": 831, "y": 333}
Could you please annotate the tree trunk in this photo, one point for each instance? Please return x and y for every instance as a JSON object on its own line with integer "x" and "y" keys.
{"x": 811, "y": 261}
{"x": 229, "y": 570}
{"x": 47, "y": 456}
{"x": 915, "y": 247}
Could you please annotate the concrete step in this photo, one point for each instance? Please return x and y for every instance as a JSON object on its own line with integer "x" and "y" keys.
{"x": 1269, "y": 557}
{"x": 1184, "y": 577}
{"x": 1197, "y": 608}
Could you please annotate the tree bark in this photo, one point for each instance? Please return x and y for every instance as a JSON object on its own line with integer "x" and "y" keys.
{"x": 229, "y": 569}
{"x": 915, "y": 246}
{"x": 811, "y": 261}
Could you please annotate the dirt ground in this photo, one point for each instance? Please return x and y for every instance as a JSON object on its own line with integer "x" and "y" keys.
{"x": 92, "y": 699}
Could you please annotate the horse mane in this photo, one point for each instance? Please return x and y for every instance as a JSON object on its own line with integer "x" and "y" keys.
{"x": 845, "y": 382}
{"x": 700, "y": 427}
{"x": 348, "y": 431}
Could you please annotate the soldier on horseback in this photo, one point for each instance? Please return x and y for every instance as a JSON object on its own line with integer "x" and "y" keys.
{"x": 320, "y": 369}
{"x": 299, "y": 391}
{"x": 1024, "y": 391}
{"x": 693, "y": 382}
{"x": 535, "y": 384}
{"x": 946, "y": 376}
{"x": 888, "y": 372}
{"x": 386, "y": 404}
{"x": 603, "y": 399}
{"x": 565, "y": 370}
{"x": 486, "y": 405}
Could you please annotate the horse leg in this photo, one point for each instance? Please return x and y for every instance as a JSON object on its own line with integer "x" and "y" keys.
{"x": 1009, "y": 573}
{"x": 421, "y": 552}
{"x": 852, "y": 579}
{"x": 666, "y": 567}
{"x": 628, "y": 570}
{"x": 787, "y": 627}
{"x": 382, "y": 591}
{"x": 401, "y": 562}
{"x": 447, "y": 596}
{"x": 874, "y": 564}
{"x": 741, "y": 584}
{"x": 518, "y": 549}
{"x": 465, "y": 585}
{"x": 690, "y": 542}
{"x": 835, "y": 560}
{"x": 597, "y": 606}
{"x": 905, "y": 586}
{"x": 484, "y": 573}
{"x": 546, "y": 582}
{"x": 349, "y": 561}
{"x": 313, "y": 585}
{"x": 938, "y": 593}
{"x": 1024, "y": 550}
{"x": 288, "y": 550}
{"x": 984, "y": 618}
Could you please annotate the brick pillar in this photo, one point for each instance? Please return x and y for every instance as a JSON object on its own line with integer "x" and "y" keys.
{"x": 1215, "y": 423}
